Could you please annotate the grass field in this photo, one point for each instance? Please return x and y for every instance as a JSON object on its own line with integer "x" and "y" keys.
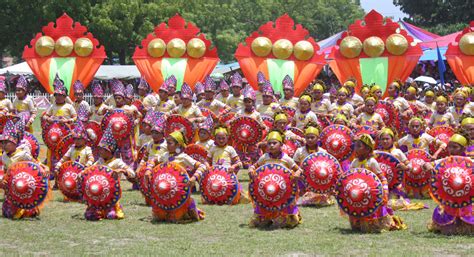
{"x": 61, "y": 230}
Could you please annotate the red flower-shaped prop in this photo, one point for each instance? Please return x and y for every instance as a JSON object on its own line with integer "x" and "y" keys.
{"x": 64, "y": 48}
{"x": 177, "y": 48}
{"x": 278, "y": 49}
{"x": 374, "y": 51}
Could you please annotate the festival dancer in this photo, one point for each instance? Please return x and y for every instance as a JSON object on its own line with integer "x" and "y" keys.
{"x": 99, "y": 105}
{"x": 236, "y": 100}
{"x": 188, "y": 109}
{"x": 268, "y": 106}
{"x": 209, "y": 102}
{"x": 107, "y": 151}
{"x": 204, "y": 133}
{"x": 398, "y": 199}
{"x": 145, "y": 96}
{"x": 289, "y": 217}
{"x": 224, "y": 155}
{"x": 78, "y": 88}
{"x": 24, "y": 104}
{"x": 446, "y": 220}
{"x": 342, "y": 105}
{"x": 6, "y": 106}
{"x": 441, "y": 117}
{"x": 309, "y": 198}
{"x": 321, "y": 105}
{"x": 382, "y": 219}
{"x": 165, "y": 104}
{"x": 369, "y": 117}
{"x": 289, "y": 91}
{"x": 13, "y": 153}
{"x": 223, "y": 95}
{"x": 303, "y": 114}
{"x": 188, "y": 212}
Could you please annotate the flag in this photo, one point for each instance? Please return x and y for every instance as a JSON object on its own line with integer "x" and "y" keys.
{"x": 441, "y": 66}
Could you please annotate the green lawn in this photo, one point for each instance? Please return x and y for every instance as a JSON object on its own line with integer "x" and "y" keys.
{"x": 62, "y": 230}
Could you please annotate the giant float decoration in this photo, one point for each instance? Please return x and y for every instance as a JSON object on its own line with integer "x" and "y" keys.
{"x": 64, "y": 48}
{"x": 177, "y": 48}
{"x": 460, "y": 55}
{"x": 374, "y": 51}
{"x": 278, "y": 49}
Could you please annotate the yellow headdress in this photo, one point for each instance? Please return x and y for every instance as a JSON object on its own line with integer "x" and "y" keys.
{"x": 441, "y": 99}
{"x": 367, "y": 140}
{"x": 318, "y": 86}
{"x": 467, "y": 121}
{"x": 221, "y": 129}
{"x": 179, "y": 137}
{"x": 306, "y": 98}
{"x": 312, "y": 129}
{"x": 280, "y": 116}
{"x": 375, "y": 88}
{"x": 343, "y": 90}
{"x": 411, "y": 89}
{"x": 349, "y": 83}
{"x": 429, "y": 93}
{"x": 341, "y": 116}
{"x": 460, "y": 139}
{"x": 387, "y": 131}
{"x": 275, "y": 135}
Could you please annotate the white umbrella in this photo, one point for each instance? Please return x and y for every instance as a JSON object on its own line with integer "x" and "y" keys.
{"x": 426, "y": 79}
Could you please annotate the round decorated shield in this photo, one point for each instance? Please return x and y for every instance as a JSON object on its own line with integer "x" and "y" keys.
{"x": 272, "y": 188}
{"x": 297, "y": 131}
{"x": 225, "y": 118}
{"x": 139, "y": 105}
{"x": 33, "y": 143}
{"x": 359, "y": 192}
{"x": 120, "y": 123}
{"x": 452, "y": 183}
{"x": 416, "y": 176}
{"x": 177, "y": 122}
{"x": 290, "y": 111}
{"x": 337, "y": 140}
{"x": 4, "y": 118}
{"x": 168, "y": 186}
{"x": 442, "y": 133}
{"x": 63, "y": 145}
{"x": 388, "y": 164}
{"x": 321, "y": 171}
{"x": 388, "y": 113}
{"x": 206, "y": 112}
{"x": 268, "y": 121}
{"x": 27, "y": 185}
{"x": 359, "y": 130}
{"x": 52, "y": 134}
{"x": 218, "y": 186}
{"x": 68, "y": 176}
{"x": 100, "y": 187}
{"x": 94, "y": 133}
{"x": 197, "y": 152}
{"x": 246, "y": 130}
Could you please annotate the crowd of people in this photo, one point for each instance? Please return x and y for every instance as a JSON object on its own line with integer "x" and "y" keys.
{"x": 291, "y": 127}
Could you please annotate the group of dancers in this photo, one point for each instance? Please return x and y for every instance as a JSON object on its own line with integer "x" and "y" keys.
{"x": 291, "y": 129}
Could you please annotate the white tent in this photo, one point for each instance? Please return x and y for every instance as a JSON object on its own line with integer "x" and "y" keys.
{"x": 105, "y": 71}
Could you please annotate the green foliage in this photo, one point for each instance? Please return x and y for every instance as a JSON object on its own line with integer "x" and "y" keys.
{"x": 438, "y": 16}
{"x": 120, "y": 25}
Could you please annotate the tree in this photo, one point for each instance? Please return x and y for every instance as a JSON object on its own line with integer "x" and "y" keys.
{"x": 438, "y": 16}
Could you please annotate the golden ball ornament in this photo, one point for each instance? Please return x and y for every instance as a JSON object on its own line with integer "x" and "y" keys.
{"x": 176, "y": 47}
{"x": 282, "y": 48}
{"x": 304, "y": 50}
{"x": 83, "y": 47}
{"x": 156, "y": 48}
{"x": 350, "y": 47}
{"x": 64, "y": 46}
{"x": 466, "y": 43}
{"x": 261, "y": 46}
{"x": 196, "y": 48}
{"x": 397, "y": 44}
{"x": 374, "y": 46}
{"x": 44, "y": 46}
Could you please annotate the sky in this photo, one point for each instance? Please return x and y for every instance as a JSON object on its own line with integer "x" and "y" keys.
{"x": 384, "y": 7}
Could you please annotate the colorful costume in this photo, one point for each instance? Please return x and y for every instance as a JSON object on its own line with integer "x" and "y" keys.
{"x": 25, "y": 106}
